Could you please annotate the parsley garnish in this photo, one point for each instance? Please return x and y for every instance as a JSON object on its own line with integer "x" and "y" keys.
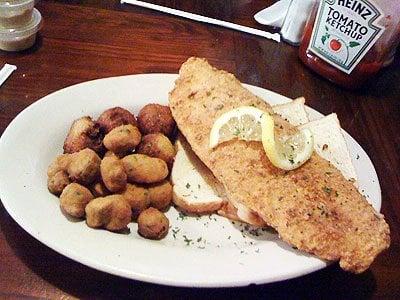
{"x": 327, "y": 190}
{"x": 182, "y": 216}
{"x": 187, "y": 240}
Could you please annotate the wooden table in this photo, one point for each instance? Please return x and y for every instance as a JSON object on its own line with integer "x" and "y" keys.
{"x": 84, "y": 40}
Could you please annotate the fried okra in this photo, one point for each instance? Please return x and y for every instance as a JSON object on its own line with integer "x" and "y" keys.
{"x": 98, "y": 189}
{"x": 153, "y": 224}
{"x": 160, "y": 195}
{"x": 137, "y": 198}
{"x": 156, "y": 118}
{"x": 113, "y": 174}
{"x": 84, "y": 133}
{"x": 141, "y": 168}
{"x": 122, "y": 139}
{"x": 157, "y": 145}
{"x": 111, "y": 212}
{"x": 114, "y": 117}
{"x": 58, "y": 182}
{"x": 84, "y": 166}
{"x": 74, "y": 199}
{"x": 60, "y": 163}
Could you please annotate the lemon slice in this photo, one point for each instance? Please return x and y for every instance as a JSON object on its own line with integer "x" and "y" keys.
{"x": 288, "y": 152}
{"x": 243, "y": 123}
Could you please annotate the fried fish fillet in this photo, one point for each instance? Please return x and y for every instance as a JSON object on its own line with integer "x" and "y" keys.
{"x": 313, "y": 207}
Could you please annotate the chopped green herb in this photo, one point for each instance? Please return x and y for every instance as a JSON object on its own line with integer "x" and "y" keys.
{"x": 199, "y": 239}
{"x": 327, "y": 190}
{"x": 188, "y": 185}
{"x": 186, "y": 240}
{"x": 182, "y": 216}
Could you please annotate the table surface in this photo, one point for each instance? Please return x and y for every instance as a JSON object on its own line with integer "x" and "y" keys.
{"x": 84, "y": 40}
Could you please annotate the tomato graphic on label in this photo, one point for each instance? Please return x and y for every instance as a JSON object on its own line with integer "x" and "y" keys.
{"x": 335, "y": 44}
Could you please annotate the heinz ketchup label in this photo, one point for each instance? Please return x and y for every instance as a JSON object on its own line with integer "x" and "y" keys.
{"x": 344, "y": 31}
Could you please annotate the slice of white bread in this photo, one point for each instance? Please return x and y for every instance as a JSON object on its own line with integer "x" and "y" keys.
{"x": 330, "y": 144}
{"x": 294, "y": 112}
{"x": 195, "y": 189}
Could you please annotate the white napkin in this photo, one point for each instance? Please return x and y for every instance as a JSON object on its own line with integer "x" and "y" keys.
{"x": 289, "y": 15}
{"x": 5, "y": 72}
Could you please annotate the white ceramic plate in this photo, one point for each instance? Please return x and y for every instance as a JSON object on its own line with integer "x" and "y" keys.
{"x": 198, "y": 252}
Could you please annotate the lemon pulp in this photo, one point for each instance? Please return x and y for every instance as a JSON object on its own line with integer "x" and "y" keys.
{"x": 286, "y": 152}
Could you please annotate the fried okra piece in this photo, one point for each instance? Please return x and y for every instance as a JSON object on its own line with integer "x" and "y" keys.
{"x": 156, "y": 118}
{"x": 153, "y": 224}
{"x": 84, "y": 166}
{"x": 141, "y": 168}
{"x": 110, "y": 154}
{"x": 160, "y": 195}
{"x": 115, "y": 117}
{"x": 84, "y": 133}
{"x": 111, "y": 212}
{"x": 113, "y": 174}
{"x": 60, "y": 163}
{"x": 157, "y": 145}
{"x": 122, "y": 139}
{"x": 98, "y": 189}
{"x": 74, "y": 199}
{"x": 137, "y": 198}
{"x": 58, "y": 182}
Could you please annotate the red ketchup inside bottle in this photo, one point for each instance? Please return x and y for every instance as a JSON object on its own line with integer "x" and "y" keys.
{"x": 380, "y": 53}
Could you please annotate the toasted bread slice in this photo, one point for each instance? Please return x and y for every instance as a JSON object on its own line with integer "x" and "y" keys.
{"x": 294, "y": 112}
{"x": 195, "y": 189}
{"x": 330, "y": 144}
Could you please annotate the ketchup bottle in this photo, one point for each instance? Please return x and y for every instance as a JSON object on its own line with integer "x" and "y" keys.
{"x": 348, "y": 41}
